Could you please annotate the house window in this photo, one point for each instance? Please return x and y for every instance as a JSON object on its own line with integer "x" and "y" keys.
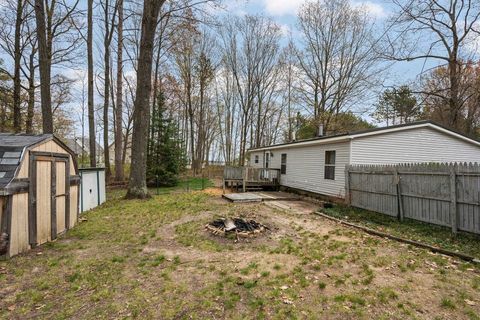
{"x": 283, "y": 167}
{"x": 330, "y": 165}
{"x": 267, "y": 159}
{"x": 256, "y": 159}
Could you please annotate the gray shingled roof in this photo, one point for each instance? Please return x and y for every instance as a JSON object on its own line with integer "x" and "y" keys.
{"x": 11, "y": 149}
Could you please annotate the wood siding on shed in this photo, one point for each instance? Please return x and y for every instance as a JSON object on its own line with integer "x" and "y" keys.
{"x": 306, "y": 165}
{"x": 2, "y": 203}
{"x": 19, "y": 232}
{"x": 412, "y": 146}
{"x": 73, "y": 205}
{"x": 49, "y": 146}
{"x": 60, "y": 196}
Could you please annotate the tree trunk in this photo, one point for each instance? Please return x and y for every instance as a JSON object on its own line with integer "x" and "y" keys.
{"x": 31, "y": 95}
{"x": 453, "y": 99}
{"x": 106, "y": 94}
{"x": 137, "y": 187}
{"x": 91, "y": 111}
{"x": 17, "y": 116}
{"x": 45, "y": 64}
{"x": 119, "y": 107}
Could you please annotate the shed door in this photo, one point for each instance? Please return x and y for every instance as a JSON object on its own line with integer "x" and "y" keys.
{"x": 60, "y": 195}
{"x": 43, "y": 197}
{"x": 52, "y": 197}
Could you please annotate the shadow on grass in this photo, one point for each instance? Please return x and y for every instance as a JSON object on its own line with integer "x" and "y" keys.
{"x": 184, "y": 185}
{"x": 411, "y": 229}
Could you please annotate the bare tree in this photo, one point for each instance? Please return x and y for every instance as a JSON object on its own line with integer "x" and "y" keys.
{"x": 91, "y": 111}
{"x": 337, "y": 60}
{"x": 16, "y": 78}
{"x": 58, "y": 39}
{"x": 119, "y": 104}
{"x": 452, "y": 27}
{"x": 137, "y": 187}
{"x": 289, "y": 84}
{"x": 45, "y": 67}
{"x": 109, "y": 28}
{"x": 250, "y": 53}
{"x": 15, "y": 40}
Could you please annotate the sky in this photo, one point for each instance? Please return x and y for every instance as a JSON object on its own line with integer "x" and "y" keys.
{"x": 284, "y": 13}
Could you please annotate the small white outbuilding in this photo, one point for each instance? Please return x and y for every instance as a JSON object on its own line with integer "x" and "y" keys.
{"x": 92, "y": 188}
{"x": 318, "y": 165}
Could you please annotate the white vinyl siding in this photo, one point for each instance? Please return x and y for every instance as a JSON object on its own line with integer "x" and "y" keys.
{"x": 274, "y": 162}
{"x": 411, "y": 146}
{"x": 252, "y": 163}
{"x": 306, "y": 167}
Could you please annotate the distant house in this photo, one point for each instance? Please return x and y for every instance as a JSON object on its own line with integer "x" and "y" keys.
{"x": 82, "y": 147}
{"x": 128, "y": 152}
{"x": 318, "y": 165}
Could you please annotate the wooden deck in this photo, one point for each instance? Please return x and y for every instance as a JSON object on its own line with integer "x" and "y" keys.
{"x": 260, "y": 196}
{"x": 248, "y": 179}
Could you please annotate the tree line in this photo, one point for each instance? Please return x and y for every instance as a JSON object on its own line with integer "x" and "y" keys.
{"x": 185, "y": 81}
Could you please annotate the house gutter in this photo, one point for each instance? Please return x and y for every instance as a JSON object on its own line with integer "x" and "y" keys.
{"x": 303, "y": 144}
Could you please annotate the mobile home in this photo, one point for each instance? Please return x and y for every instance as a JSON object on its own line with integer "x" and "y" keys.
{"x": 318, "y": 165}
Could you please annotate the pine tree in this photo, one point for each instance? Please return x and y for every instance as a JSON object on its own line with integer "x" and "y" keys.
{"x": 165, "y": 158}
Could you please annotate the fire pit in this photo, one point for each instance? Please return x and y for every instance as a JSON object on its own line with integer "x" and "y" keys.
{"x": 237, "y": 226}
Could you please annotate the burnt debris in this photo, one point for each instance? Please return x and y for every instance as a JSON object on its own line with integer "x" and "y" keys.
{"x": 3, "y": 244}
{"x": 238, "y": 226}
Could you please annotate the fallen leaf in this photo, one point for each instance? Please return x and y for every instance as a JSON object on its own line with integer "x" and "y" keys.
{"x": 470, "y": 302}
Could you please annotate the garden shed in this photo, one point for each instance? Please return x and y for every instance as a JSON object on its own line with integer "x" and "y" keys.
{"x": 39, "y": 187}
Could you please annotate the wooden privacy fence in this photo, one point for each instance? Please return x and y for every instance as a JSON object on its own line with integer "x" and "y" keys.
{"x": 443, "y": 194}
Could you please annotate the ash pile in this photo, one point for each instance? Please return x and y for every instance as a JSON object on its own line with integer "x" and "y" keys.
{"x": 240, "y": 227}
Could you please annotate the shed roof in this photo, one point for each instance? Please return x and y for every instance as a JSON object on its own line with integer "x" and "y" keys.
{"x": 368, "y": 132}
{"x": 12, "y": 147}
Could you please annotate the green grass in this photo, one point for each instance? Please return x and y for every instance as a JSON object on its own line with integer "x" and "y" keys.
{"x": 447, "y": 303}
{"x": 410, "y": 229}
{"x": 186, "y": 184}
{"x": 153, "y": 259}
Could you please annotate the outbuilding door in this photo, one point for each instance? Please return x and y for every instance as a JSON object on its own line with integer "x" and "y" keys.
{"x": 49, "y": 210}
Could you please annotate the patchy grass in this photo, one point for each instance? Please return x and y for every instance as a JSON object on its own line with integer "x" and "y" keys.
{"x": 411, "y": 229}
{"x": 152, "y": 259}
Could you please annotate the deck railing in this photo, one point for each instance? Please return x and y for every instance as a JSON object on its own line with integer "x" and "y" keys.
{"x": 249, "y": 174}
{"x": 233, "y": 173}
{"x": 262, "y": 175}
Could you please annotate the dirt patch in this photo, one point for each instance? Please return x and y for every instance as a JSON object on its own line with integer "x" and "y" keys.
{"x": 154, "y": 259}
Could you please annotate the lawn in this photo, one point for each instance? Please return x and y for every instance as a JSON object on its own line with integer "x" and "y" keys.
{"x": 411, "y": 229}
{"x": 153, "y": 259}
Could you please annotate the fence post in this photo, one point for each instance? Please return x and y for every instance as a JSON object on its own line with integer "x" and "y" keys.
{"x": 348, "y": 199}
{"x": 453, "y": 200}
{"x": 245, "y": 175}
{"x": 396, "y": 178}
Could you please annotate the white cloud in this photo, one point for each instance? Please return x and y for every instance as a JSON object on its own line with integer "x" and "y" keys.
{"x": 374, "y": 9}
{"x": 285, "y": 29}
{"x": 235, "y": 7}
{"x": 282, "y": 7}
{"x": 290, "y": 7}
{"x": 473, "y": 43}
